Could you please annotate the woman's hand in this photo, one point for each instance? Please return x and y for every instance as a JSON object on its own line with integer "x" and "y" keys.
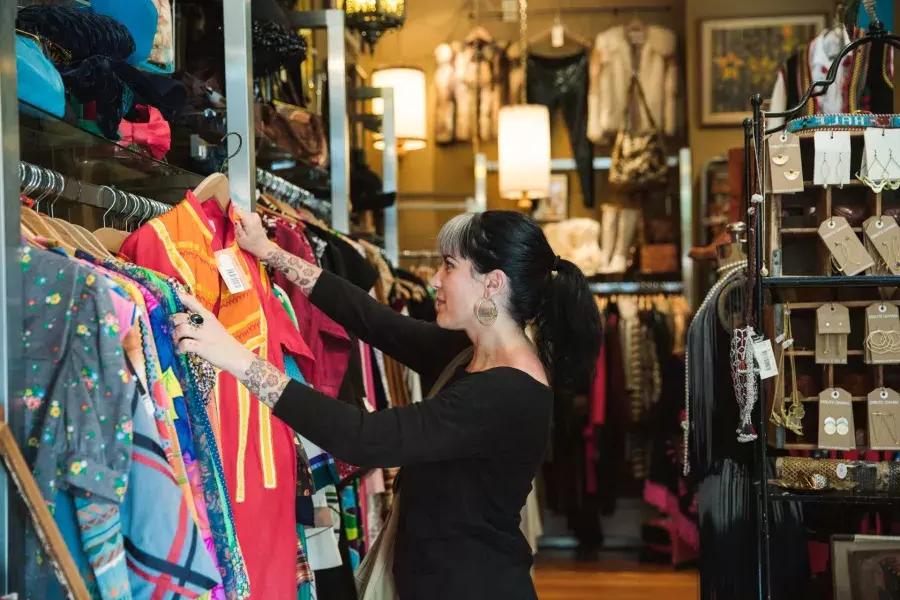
{"x": 251, "y": 235}
{"x": 198, "y": 331}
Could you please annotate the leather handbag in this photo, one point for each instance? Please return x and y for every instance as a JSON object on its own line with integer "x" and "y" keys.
{"x": 375, "y": 576}
{"x": 657, "y": 259}
{"x": 638, "y": 157}
{"x": 292, "y": 129}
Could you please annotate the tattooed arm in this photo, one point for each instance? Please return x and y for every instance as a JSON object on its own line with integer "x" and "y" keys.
{"x": 264, "y": 381}
{"x": 301, "y": 273}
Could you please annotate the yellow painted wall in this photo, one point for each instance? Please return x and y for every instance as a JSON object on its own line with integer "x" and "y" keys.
{"x": 449, "y": 169}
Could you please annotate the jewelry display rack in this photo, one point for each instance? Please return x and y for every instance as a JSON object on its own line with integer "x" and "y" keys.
{"x": 777, "y": 253}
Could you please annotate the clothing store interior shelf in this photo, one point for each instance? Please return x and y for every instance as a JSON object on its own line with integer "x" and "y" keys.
{"x": 805, "y": 281}
{"x": 74, "y": 152}
{"x": 776, "y": 494}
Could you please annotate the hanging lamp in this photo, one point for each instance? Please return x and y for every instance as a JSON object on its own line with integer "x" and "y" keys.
{"x": 524, "y": 139}
{"x": 371, "y": 18}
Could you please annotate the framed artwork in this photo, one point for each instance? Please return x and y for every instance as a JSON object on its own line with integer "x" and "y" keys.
{"x": 865, "y": 567}
{"x": 556, "y": 206}
{"x": 741, "y": 56}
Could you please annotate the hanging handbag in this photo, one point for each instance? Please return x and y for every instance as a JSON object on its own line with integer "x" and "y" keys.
{"x": 638, "y": 157}
{"x": 375, "y": 576}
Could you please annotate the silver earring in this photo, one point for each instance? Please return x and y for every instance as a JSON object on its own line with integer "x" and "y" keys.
{"x": 486, "y": 312}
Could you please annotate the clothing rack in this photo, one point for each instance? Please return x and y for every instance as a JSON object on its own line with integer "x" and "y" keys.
{"x": 605, "y": 288}
{"x": 291, "y": 193}
{"x": 52, "y": 186}
{"x": 761, "y": 277}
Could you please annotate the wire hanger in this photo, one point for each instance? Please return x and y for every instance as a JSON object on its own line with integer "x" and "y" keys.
{"x": 216, "y": 185}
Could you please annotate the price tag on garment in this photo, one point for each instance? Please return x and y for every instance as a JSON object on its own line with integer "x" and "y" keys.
{"x": 846, "y": 249}
{"x": 884, "y": 234}
{"x": 765, "y": 359}
{"x": 785, "y": 165}
{"x": 881, "y": 159}
{"x": 232, "y": 272}
{"x": 832, "y": 166}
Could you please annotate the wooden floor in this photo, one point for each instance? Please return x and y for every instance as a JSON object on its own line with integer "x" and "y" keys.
{"x": 560, "y": 579}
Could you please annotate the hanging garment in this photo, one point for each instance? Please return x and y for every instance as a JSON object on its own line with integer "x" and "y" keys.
{"x": 863, "y": 81}
{"x": 327, "y": 340}
{"x": 563, "y": 83}
{"x": 258, "y": 451}
{"x": 612, "y": 63}
{"x": 471, "y": 84}
{"x": 78, "y": 417}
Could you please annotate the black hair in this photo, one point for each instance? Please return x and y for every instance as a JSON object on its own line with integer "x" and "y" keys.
{"x": 548, "y": 292}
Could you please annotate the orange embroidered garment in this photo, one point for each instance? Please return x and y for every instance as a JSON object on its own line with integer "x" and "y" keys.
{"x": 257, "y": 449}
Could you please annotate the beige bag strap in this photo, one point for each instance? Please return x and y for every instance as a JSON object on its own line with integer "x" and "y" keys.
{"x": 462, "y": 358}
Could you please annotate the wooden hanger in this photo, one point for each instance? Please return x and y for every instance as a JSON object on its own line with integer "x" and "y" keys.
{"x": 111, "y": 239}
{"x": 215, "y": 186}
{"x": 36, "y": 223}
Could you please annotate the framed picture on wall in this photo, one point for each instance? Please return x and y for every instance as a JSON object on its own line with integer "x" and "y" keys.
{"x": 865, "y": 567}
{"x": 741, "y": 56}
{"x": 556, "y": 206}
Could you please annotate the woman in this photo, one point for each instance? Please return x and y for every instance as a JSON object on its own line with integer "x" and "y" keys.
{"x": 470, "y": 451}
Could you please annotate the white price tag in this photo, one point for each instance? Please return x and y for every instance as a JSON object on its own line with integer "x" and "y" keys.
{"x": 232, "y": 273}
{"x": 765, "y": 359}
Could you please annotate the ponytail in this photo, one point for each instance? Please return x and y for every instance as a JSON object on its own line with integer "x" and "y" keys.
{"x": 568, "y": 330}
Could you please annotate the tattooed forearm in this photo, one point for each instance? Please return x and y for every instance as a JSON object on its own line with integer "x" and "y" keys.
{"x": 301, "y": 273}
{"x": 264, "y": 381}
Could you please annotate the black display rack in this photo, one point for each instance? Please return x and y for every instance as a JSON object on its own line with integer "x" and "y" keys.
{"x": 766, "y": 286}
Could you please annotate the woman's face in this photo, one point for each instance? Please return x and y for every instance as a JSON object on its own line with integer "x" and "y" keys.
{"x": 459, "y": 289}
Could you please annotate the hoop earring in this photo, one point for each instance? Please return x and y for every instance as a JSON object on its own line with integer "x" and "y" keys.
{"x": 486, "y": 312}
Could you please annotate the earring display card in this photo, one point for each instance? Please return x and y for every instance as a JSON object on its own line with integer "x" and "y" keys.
{"x": 832, "y": 166}
{"x": 884, "y": 419}
{"x": 882, "y": 341}
{"x": 836, "y": 431}
{"x": 880, "y": 159}
{"x": 883, "y": 234}
{"x": 832, "y": 329}
{"x": 849, "y": 254}
{"x": 785, "y": 167}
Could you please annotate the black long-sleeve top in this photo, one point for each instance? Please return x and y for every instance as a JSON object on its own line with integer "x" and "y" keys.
{"x": 469, "y": 453}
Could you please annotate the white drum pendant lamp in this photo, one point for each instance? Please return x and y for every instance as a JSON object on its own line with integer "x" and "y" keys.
{"x": 409, "y": 105}
{"x": 524, "y": 153}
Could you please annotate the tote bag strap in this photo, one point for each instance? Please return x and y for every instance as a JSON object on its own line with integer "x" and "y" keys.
{"x": 636, "y": 86}
{"x": 451, "y": 368}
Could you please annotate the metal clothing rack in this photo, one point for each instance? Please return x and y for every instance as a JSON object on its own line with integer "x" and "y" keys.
{"x": 762, "y": 277}
{"x": 52, "y": 186}
{"x": 291, "y": 193}
{"x": 636, "y": 287}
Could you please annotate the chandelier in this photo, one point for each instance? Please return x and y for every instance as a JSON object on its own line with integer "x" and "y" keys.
{"x": 371, "y": 18}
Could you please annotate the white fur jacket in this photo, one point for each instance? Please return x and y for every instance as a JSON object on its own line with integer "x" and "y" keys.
{"x": 612, "y": 64}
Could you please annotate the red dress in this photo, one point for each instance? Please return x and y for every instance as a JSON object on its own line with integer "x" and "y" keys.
{"x": 258, "y": 452}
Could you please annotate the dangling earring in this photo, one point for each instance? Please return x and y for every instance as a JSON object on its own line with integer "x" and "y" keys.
{"x": 486, "y": 311}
